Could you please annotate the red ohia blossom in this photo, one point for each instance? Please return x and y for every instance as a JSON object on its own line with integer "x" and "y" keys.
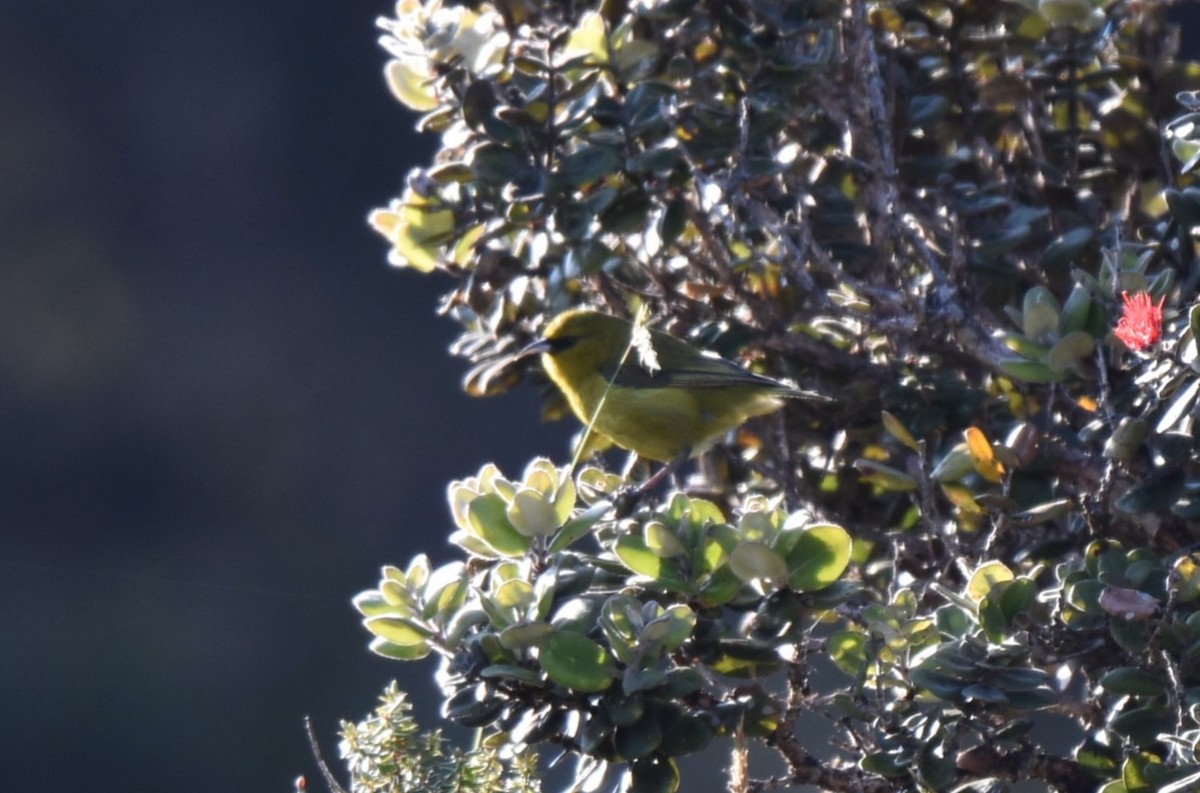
{"x": 1140, "y": 326}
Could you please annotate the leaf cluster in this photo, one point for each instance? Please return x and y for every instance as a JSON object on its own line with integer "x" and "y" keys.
{"x": 387, "y": 753}
{"x": 602, "y": 635}
{"x": 928, "y": 210}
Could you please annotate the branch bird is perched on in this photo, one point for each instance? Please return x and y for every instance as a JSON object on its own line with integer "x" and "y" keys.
{"x": 666, "y": 413}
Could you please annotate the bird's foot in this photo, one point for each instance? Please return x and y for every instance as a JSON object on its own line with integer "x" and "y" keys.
{"x": 626, "y": 500}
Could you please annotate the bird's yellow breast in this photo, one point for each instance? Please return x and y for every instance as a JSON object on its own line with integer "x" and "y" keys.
{"x": 663, "y": 423}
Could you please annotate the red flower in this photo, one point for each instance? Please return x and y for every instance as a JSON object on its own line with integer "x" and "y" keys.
{"x": 1140, "y": 326}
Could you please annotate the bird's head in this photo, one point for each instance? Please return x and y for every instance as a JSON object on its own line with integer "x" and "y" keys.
{"x": 581, "y": 342}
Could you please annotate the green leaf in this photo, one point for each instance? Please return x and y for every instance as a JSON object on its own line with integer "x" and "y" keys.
{"x": 888, "y": 765}
{"x": 985, "y": 577}
{"x": 897, "y": 430}
{"x": 399, "y": 652}
{"x": 682, "y": 682}
{"x": 685, "y": 735}
{"x": 494, "y": 164}
{"x": 532, "y": 514}
{"x": 524, "y": 634}
{"x": 398, "y": 630}
{"x": 446, "y": 592}
{"x": 661, "y": 541}
{"x": 586, "y": 165}
{"x": 1067, "y": 247}
{"x": 720, "y": 587}
{"x": 473, "y": 706}
{"x": 1040, "y": 313}
{"x": 646, "y": 106}
{"x": 1034, "y": 699}
{"x": 578, "y": 526}
{"x": 752, "y": 561}
{"x": 1132, "y": 636}
{"x": 397, "y": 594}
{"x": 451, "y": 173}
{"x": 627, "y": 214}
{"x": 1030, "y": 371}
{"x": 637, "y": 680}
{"x": 588, "y": 39}
{"x": 1085, "y": 595}
{"x": 672, "y": 221}
{"x": 698, "y": 511}
{"x": 836, "y": 594}
{"x": 1184, "y": 204}
{"x": 654, "y": 775}
{"x": 885, "y": 477}
{"x": 847, "y": 649}
{"x": 488, "y": 519}
{"x": 1155, "y": 493}
{"x": 624, "y": 710}
{"x": 954, "y": 620}
{"x": 1018, "y": 678}
{"x": 992, "y": 619}
{"x": 620, "y": 621}
{"x": 670, "y": 630}
{"x": 659, "y": 160}
{"x": 1026, "y": 348}
{"x": 1096, "y": 758}
{"x": 575, "y": 661}
{"x": 516, "y": 594}
{"x": 819, "y": 557}
{"x": 1142, "y": 726}
{"x": 638, "y": 739}
{"x": 742, "y": 658}
{"x": 937, "y": 770}
{"x": 1076, "y": 309}
{"x": 497, "y": 615}
{"x": 941, "y": 684}
{"x": 1017, "y": 597}
{"x": 954, "y": 465}
{"x": 639, "y": 558}
{"x": 372, "y": 604}
{"x": 1042, "y": 513}
{"x": 1133, "y": 681}
{"x": 1069, "y": 351}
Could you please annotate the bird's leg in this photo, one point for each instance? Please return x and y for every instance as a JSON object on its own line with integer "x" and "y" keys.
{"x": 628, "y": 498}
{"x": 635, "y": 468}
{"x": 662, "y": 473}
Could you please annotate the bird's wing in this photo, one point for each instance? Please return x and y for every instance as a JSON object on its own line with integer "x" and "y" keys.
{"x": 698, "y": 371}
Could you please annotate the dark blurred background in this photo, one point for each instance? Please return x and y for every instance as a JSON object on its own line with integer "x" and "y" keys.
{"x": 220, "y": 410}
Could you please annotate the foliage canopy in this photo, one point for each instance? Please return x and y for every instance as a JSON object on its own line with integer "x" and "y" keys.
{"x": 970, "y": 222}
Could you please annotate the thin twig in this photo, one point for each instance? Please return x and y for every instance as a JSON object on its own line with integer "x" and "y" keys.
{"x": 330, "y": 779}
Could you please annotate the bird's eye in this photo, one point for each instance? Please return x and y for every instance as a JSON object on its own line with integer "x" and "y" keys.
{"x": 562, "y": 343}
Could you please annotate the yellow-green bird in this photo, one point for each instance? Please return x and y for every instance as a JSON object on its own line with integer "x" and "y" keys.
{"x": 664, "y": 413}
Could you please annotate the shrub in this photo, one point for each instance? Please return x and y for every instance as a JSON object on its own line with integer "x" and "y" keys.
{"x": 972, "y": 225}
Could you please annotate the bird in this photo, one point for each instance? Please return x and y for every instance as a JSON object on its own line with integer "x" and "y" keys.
{"x": 666, "y": 403}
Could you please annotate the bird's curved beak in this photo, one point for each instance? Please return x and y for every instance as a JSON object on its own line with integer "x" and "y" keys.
{"x": 536, "y": 347}
{"x": 497, "y": 372}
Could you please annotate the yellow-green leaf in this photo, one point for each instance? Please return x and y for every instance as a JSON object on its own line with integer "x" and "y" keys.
{"x": 985, "y": 577}
{"x": 898, "y": 431}
{"x": 818, "y": 557}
